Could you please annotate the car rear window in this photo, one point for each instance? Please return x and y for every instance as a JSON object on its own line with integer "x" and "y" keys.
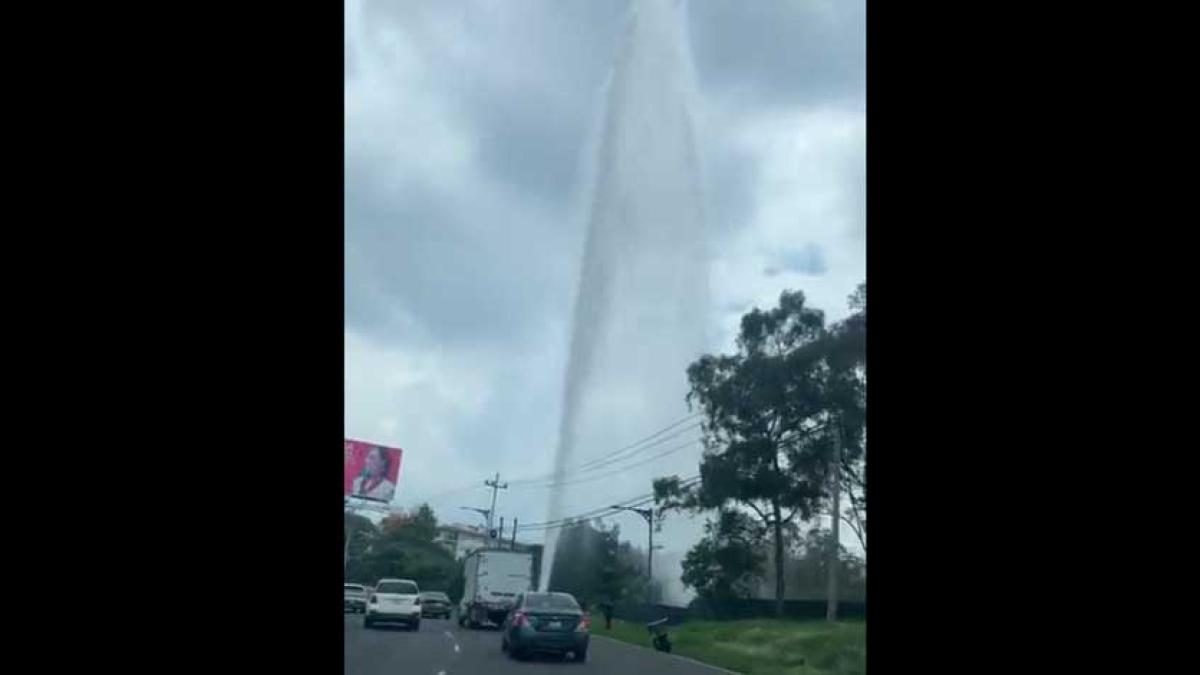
{"x": 435, "y": 596}
{"x": 398, "y": 587}
{"x": 356, "y": 589}
{"x": 550, "y": 602}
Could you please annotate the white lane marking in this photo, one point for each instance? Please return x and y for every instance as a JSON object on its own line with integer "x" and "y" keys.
{"x": 450, "y": 635}
{"x": 456, "y": 649}
{"x": 441, "y": 672}
{"x": 673, "y": 656}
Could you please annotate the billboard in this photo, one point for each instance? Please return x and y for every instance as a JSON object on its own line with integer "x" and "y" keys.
{"x": 372, "y": 471}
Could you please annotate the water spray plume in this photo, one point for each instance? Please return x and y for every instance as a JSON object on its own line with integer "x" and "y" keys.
{"x": 643, "y": 288}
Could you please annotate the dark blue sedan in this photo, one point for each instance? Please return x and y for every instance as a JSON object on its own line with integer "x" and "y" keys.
{"x": 546, "y": 623}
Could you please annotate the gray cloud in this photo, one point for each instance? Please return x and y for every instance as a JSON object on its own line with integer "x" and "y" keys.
{"x": 807, "y": 260}
{"x": 798, "y": 52}
{"x": 463, "y": 274}
{"x": 467, "y": 128}
{"x": 534, "y": 150}
{"x": 730, "y": 173}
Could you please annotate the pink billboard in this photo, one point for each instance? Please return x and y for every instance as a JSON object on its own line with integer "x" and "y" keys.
{"x": 372, "y": 471}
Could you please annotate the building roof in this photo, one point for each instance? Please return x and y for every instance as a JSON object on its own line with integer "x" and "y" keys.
{"x": 463, "y": 529}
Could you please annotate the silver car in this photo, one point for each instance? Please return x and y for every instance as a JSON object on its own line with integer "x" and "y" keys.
{"x": 354, "y": 598}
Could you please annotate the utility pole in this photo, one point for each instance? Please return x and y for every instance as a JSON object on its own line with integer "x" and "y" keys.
{"x": 831, "y": 607}
{"x": 495, "y": 484}
{"x": 514, "y": 537}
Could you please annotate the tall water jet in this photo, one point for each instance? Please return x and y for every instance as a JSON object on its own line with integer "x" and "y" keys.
{"x": 639, "y": 315}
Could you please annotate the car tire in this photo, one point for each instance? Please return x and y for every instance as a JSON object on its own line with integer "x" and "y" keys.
{"x": 415, "y": 626}
{"x": 367, "y": 622}
{"x": 581, "y": 656}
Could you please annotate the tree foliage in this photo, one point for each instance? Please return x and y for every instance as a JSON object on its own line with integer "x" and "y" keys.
{"x": 591, "y": 564}
{"x": 811, "y": 571}
{"x": 404, "y": 548}
{"x": 360, "y": 530}
{"x": 766, "y": 427}
{"x": 419, "y": 524}
{"x": 847, "y": 356}
{"x": 724, "y": 564}
{"x": 636, "y": 587}
{"x": 773, "y": 412}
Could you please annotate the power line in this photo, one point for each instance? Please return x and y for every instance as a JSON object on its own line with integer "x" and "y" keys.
{"x": 590, "y": 515}
{"x": 628, "y": 502}
{"x": 620, "y": 470}
{"x": 655, "y": 434}
{"x": 613, "y": 456}
{"x": 615, "y": 460}
{"x": 596, "y": 462}
{"x": 604, "y": 510}
{"x": 447, "y": 493}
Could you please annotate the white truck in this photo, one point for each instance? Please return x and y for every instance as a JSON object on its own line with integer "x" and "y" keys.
{"x": 493, "y": 580}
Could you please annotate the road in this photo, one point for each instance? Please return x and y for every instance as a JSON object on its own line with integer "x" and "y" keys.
{"x": 443, "y": 648}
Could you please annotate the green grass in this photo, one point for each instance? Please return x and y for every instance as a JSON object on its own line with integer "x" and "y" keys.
{"x": 762, "y": 646}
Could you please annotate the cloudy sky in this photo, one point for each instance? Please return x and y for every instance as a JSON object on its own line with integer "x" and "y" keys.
{"x": 467, "y": 153}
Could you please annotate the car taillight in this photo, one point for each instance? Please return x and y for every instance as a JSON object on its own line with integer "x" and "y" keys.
{"x": 417, "y": 601}
{"x": 585, "y": 624}
{"x": 374, "y": 600}
{"x": 520, "y": 619}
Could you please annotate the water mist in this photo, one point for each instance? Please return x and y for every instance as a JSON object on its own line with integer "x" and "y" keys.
{"x": 639, "y": 314}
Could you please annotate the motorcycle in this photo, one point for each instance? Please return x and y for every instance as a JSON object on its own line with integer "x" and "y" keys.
{"x": 660, "y": 640}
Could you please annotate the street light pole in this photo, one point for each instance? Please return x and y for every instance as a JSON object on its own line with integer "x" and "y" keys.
{"x": 486, "y": 513}
{"x": 648, "y": 514}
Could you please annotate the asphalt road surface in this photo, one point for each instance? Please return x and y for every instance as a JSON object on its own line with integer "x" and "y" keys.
{"x": 443, "y": 648}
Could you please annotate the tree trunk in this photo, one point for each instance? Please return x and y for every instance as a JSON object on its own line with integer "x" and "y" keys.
{"x": 779, "y": 587}
{"x": 831, "y": 606}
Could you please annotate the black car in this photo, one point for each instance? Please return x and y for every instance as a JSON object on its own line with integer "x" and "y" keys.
{"x": 435, "y": 604}
{"x": 546, "y": 622}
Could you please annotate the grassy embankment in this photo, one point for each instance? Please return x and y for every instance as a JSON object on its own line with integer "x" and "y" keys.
{"x": 761, "y": 646}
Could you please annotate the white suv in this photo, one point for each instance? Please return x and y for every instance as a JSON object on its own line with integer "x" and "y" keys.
{"x": 394, "y": 600}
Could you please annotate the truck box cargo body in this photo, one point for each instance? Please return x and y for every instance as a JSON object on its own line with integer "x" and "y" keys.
{"x": 493, "y": 580}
